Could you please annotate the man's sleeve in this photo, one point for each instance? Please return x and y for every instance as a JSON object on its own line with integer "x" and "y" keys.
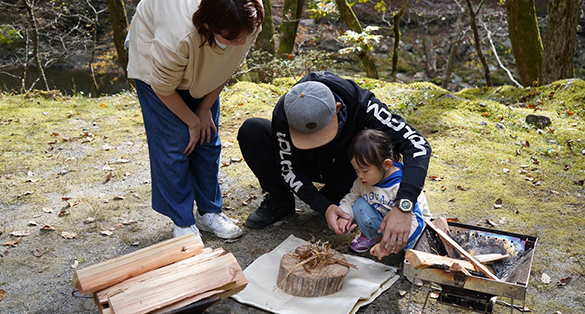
{"x": 414, "y": 148}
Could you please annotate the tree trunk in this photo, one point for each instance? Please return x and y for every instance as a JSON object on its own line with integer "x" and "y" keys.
{"x": 120, "y": 27}
{"x": 431, "y": 67}
{"x": 486, "y": 69}
{"x": 525, "y": 38}
{"x": 293, "y": 9}
{"x": 353, "y": 23}
{"x": 559, "y": 40}
{"x": 396, "y": 29}
{"x": 36, "y": 54}
{"x": 265, "y": 40}
{"x": 453, "y": 54}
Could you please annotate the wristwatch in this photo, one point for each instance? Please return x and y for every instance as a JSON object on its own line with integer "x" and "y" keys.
{"x": 405, "y": 205}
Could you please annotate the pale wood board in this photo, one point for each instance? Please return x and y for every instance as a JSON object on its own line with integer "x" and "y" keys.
{"x": 107, "y": 273}
{"x": 206, "y": 255}
{"x": 158, "y": 292}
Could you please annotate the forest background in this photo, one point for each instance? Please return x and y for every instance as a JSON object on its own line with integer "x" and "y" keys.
{"x": 74, "y": 162}
{"x": 77, "y": 46}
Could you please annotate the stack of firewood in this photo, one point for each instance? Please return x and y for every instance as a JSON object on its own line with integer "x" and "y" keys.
{"x": 161, "y": 278}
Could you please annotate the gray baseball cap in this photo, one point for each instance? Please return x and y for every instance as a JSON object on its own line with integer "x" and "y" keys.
{"x": 311, "y": 111}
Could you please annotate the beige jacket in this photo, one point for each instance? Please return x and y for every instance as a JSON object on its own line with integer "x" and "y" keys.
{"x": 164, "y": 50}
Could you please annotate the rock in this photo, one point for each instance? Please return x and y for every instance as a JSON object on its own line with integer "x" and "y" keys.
{"x": 330, "y": 45}
{"x": 538, "y": 121}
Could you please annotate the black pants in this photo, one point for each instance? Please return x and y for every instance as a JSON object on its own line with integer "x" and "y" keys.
{"x": 258, "y": 149}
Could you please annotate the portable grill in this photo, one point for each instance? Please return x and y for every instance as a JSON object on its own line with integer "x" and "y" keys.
{"x": 476, "y": 292}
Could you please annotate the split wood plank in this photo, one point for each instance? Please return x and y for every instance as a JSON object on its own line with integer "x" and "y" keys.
{"x": 479, "y": 266}
{"x": 441, "y": 223}
{"x": 155, "y": 293}
{"x": 206, "y": 255}
{"x": 420, "y": 259}
{"x": 107, "y": 273}
{"x": 491, "y": 258}
{"x": 241, "y": 283}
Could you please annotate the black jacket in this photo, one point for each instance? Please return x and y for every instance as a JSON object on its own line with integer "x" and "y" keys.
{"x": 360, "y": 110}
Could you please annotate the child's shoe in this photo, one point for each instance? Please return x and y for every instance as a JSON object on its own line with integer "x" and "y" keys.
{"x": 362, "y": 244}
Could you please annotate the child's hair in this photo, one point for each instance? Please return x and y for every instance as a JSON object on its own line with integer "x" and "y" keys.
{"x": 371, "y": 147}
{"x": 229, "y": 18}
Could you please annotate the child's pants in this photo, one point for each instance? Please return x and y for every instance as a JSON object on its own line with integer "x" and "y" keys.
{"x": 369, "y": 220}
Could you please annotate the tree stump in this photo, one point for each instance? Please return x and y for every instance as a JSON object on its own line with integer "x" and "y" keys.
{"x": 316, "y": 282}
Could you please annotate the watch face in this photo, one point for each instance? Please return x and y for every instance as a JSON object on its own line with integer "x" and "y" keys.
{"x": 405, "y": 205}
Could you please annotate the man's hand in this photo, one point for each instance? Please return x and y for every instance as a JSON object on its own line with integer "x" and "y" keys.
{"x": 396, "y": 228}
{"x": 334, "y": 213}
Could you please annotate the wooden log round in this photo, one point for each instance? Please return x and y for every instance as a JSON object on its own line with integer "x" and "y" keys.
{"x": 318, "y": 282}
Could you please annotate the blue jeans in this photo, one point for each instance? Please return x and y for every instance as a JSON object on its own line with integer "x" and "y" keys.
{"x": 369, "y": 220}
{"x": 179, "y": 179}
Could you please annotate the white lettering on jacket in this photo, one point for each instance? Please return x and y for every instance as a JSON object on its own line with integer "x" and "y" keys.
{"x": 286, "y": 170}
{"x": 385, "y": 117}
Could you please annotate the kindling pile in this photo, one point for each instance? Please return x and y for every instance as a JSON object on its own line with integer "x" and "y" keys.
{"x": 161, "y": 278}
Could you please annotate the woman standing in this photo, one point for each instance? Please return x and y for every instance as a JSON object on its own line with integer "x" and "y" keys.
{"x": 181, "y": 55}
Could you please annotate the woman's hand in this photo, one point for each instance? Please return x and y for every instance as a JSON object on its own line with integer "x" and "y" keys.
{"x": 194, "y": 135}
{"x": 206, "y": 125}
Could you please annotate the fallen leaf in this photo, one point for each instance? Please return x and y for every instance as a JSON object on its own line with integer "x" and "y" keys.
{"x": 89, "y": 220}
{"x": 249, "y": 200}
{"x": 537, "y": 183}
{"x": 48, "y": 209}
{"x": 129, "y": 222}
{"x": 24, "y": 194}
{"x": 106, "y": 233}
{"x": 459, "y": 187}
{"x": 566, "y": 167}
{"x": 74, "y": 203}
{"x": 453, "y": 219}
{"x": 545, "y": 278}
{"x": 402, "y": 292}
{"x": 118, "y": 198}
{"x": 47, "y": 228}
{"x": 12, "y": 243}
{"x": 68, "y": 235}
{"x": 32, "y": 223}
{"x": 443, "y": 188}
{"x": 564, "y": 281}
{"x": 434, "y": 295}
{"x": 37, "y": 253}
{"x": 506, "y": 170}
{"x": 63, "y": 213}
{"x": 20, "y": 233}
{"x": 436, "y": 178}
{"x": 451, "y": 200}
{"x": 2, "y": 294}
{"x": 236, "y": 159}
{"x": 498, "y": 203}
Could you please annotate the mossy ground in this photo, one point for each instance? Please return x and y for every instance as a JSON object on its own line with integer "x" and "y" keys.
{"x": 66, "y": 159}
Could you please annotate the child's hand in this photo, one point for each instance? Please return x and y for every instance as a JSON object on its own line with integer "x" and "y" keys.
{"x": 377, "y": 251}
{"x": 345, "y": 225}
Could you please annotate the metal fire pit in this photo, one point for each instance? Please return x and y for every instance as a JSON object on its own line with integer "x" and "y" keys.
{"x": 477, "y": 292}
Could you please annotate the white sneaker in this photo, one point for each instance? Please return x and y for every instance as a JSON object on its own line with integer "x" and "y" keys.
{"x": 181, "y": 231}
{"x": 219, "y": 224}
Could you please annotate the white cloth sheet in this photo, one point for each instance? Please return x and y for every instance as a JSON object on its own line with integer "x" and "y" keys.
{"x": 361, "y": 286}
